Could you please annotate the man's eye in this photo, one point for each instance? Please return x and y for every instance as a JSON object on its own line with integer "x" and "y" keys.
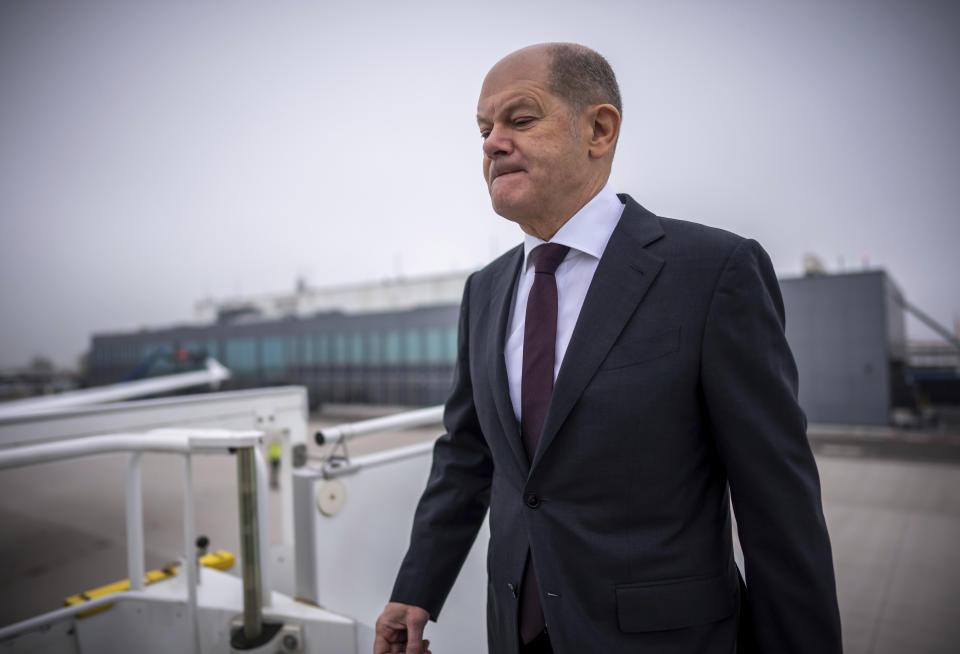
{"x": 520, "y": 122}
{"x": 484, "y": 133}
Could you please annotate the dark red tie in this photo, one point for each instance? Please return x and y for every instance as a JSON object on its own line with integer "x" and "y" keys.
{"x": 536, "y": 386}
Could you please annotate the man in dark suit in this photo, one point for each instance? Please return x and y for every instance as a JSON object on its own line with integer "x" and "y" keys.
{"x": 619, "y": 377}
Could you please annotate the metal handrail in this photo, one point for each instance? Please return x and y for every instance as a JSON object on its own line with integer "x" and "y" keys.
{"x": 332, "y": 469}
{"x": 27, "y": 455}
{"x": 67, "y": 612}
{"x": 184, "y": 442}
{"x": 212, "y": 374}
{"x": 350, "y": 430}
{"x": 337, "y": 461}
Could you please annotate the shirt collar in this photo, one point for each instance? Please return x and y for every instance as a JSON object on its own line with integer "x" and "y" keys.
{"x": 589, "y": 229}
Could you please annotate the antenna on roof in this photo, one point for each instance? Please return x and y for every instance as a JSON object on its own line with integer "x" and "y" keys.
{"x": 813, "y": 265}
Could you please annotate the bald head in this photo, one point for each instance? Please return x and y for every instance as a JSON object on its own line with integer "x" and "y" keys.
{"x": 573, "y": 72}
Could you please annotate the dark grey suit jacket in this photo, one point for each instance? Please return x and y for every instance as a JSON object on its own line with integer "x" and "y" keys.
{"x": 677, "y": 390}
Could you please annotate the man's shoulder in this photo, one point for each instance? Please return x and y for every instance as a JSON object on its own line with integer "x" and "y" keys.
{"x": 698, "y": 235}
{"x": 683, "y": 237}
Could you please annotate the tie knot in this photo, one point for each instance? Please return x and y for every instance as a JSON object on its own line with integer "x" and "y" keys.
{"x": 548, "y": 256}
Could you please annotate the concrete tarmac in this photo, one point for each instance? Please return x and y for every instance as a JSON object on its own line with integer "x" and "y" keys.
{"x": 893, "y": 511}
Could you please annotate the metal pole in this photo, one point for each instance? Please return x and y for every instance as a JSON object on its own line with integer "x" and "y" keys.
{"x": 249, "y": 545}
{"x": 135, "y": 564}
{"x": 263, "y": 513}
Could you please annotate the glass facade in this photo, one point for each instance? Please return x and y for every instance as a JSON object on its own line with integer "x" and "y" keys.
{"x": 355, "y": 357}
{"x": 339, "y": 349}
{"x": 374, "y": 349}
{"x": 272, "y": 355}
{"x": 401, "y": 358}
{"x": 435, "y": 350}
{"x": 413, "y": 346}
{"x": 430, "y": 345}
{"x": 241, "y": 354}
{"x": 321, "y": 350}
{"x": 306, "y": 351}
{"x": 393, "y": 348}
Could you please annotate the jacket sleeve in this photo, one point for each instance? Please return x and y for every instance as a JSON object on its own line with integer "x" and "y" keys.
{"x": 457, "y": 495}
{"x": 750, "y": 388}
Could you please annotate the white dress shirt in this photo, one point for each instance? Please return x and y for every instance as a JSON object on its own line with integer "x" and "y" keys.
{"x": 587, "y": 234}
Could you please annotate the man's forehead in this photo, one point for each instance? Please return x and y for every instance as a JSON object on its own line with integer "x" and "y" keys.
{"x": 508, "y": 100}
{"x": 505, "y": 88}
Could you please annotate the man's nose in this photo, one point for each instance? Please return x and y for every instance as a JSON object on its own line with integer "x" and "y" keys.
{"x": 497, "y": 143}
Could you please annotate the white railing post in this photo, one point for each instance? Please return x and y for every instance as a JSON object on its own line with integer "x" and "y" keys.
{"x": 191, "y": 550}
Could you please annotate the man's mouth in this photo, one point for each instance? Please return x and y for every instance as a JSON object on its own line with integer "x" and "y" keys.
{"x": 503, "y": 173}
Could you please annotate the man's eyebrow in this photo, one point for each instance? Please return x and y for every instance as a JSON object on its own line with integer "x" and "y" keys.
{"x": 511, "y": 105}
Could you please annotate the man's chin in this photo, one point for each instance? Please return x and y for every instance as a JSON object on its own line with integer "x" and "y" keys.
{"x": 506, "y": 204}
{"x": 508, "y": 210}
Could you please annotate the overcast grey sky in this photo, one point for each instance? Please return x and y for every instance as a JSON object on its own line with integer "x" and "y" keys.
{"x": 152, "y": 154}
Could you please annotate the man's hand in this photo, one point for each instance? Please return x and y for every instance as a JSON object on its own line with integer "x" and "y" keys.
{"x": 400, "y": 629}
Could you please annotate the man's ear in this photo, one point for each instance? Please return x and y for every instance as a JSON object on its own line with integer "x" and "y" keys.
{"x": 605, "y": 124}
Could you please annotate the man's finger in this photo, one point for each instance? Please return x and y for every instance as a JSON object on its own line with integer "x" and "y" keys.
{"x": 381, "y": 645}
{"x": 415, "y": 644}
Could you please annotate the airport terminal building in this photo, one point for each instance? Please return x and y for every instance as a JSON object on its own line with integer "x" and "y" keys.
{"x": 395, "y": 343}
{"x": 387, "y": 343}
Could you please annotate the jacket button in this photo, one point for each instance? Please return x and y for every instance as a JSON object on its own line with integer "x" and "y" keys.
{"x": 533, "y": 500}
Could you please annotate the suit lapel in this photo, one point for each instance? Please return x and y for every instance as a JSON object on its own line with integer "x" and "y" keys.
{"x": 501, "y": 299}
{"x": 623, "y": 276}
